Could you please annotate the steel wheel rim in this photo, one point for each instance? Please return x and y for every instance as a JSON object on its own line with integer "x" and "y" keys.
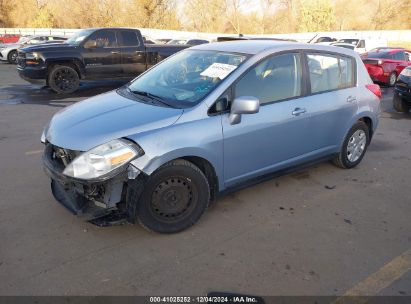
{"x": 356, "y": 145}
{"x": 173, "y": 199}
{"x": 65, "y": 79}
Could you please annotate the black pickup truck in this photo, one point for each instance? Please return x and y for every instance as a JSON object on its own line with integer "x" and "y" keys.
{"x": 91, "y": 54}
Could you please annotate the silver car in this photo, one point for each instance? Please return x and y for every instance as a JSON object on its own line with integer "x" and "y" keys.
{"x": 8, "y": 51}
{"x": 207, "y": 120}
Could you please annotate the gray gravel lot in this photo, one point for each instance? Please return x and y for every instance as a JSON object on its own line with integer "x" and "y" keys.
{"x": 287, "y": 236}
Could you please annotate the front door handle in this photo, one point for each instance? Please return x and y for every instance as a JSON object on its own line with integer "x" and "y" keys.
{"x": 115, "y": 52}
{"x": 351, "y": 99}
{"x": 298, "y": 111}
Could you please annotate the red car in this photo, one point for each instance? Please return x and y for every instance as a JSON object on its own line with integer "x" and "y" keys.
{"x": 9, "y": 38}
{"x": 385, "y": 64}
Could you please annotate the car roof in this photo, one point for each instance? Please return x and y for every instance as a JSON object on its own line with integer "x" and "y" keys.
{"x": 252, "y": 47}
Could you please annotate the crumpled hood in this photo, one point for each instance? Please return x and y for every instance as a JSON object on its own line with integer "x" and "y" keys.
{"x": 105, "y": 117}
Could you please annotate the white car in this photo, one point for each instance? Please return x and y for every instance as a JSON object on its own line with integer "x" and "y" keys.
{"x": 8, "y": 51}
{"x": 359, "y": 45}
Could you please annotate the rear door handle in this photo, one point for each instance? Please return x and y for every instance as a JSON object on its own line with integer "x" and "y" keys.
{"x": 115, "y": 52}
{"x": 351, "y": 99}
{"x": 298, "y": 111}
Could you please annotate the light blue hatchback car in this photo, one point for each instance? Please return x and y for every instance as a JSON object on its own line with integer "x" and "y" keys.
{"x": 206, "y": 120}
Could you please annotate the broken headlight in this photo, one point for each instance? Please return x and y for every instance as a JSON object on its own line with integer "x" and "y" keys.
{"x": 103, "y": 159}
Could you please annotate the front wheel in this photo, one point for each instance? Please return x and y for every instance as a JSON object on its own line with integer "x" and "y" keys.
{"x": 400, "y": 105}
{"x": 354, "y": 146}
{"x": 12, "y": 57}
{"x": 174, "y": 198}
{"x": 63, "y": 79}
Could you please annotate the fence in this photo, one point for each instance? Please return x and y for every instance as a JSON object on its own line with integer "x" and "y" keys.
{"x": 394, "y": 35}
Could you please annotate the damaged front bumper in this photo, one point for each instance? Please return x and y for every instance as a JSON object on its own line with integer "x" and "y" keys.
{"x": 104, "y": 202}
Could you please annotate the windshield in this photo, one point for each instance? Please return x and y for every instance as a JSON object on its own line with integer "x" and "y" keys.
{"x": 23, "y": 39}
{"x": 187, "y": 77}
{"x": 177, "y": 41}
{"x": 78, "y": 37}
{"x": 350, "y": 41}
{"x": 383, "y": 55}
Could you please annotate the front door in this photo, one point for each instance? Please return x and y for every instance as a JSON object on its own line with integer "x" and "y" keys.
{"x": 274, "y": 137}
{"x": 102, "y": 56}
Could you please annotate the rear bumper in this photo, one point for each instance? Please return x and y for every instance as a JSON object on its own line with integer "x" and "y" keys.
{"x": 377, "y": 73}
{"x": 33, "y": 75}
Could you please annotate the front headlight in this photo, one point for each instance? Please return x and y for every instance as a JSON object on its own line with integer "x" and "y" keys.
{"x": 32, "y": 56}
{"x": 406, "y": 72}
{"x": 103, "y": 159}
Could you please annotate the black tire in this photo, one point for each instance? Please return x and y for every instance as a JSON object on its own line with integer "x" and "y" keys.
{"x": 12, "y": 57}
{"x": 400, "y": 105}
{"x": 63, "y": 79}
{"x": 392, "y": 79}
{"x": 174, "y": 198}
{"x": 345, "y": 159}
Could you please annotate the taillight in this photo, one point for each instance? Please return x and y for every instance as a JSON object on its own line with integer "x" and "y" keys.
{"x": 375, "y": 88}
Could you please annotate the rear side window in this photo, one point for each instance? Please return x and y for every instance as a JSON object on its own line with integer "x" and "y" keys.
{"x": 129, "y": 38}
{"x": 399, "y": 56}
{"x": 328, "y": 72}
{"x": 273, "y": 79}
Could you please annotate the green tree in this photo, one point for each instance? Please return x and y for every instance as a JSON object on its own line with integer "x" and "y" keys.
{"x": 315, "y": 15}
{"x": 43, "y": 19}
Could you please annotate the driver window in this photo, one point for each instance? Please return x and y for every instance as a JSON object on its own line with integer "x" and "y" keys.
{"x": 102, "y": 39}
{"x": 361, "y": 45}
{"x": 274, "y": 79}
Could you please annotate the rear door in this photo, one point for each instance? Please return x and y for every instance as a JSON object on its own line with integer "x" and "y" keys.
{"x": 102, "y": 56}
{"x": 133, "y": 55}
{"x": 332, "y": 101}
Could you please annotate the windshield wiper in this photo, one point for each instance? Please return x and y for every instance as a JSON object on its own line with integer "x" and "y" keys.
{"x": 152, "y": 96}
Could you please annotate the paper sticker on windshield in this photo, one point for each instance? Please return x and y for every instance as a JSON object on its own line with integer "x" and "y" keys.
{"x": 218, "y": 70}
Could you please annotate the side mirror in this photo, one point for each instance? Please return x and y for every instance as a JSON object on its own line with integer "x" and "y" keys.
{"x": 243, "y": 105}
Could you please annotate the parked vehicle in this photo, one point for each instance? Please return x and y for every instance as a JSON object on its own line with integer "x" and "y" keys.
{"x": 9, "y": 38}
{"x": 402, "y": 91}
{"x": 163, "y": 40}
{"x": 160, "y": 148}
{"x": 361, "y": 45}
{"x": 242, "y": 37}
{"x": 323, "y": 40}
{"x": 188, "y": 41}
{"x": 385, "y": 64}
{"x": 9, "y": 51}
{"x": 91, "y": 54}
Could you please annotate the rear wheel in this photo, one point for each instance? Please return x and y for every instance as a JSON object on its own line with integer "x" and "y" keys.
{"x": 63, "y": 79}
{"x": 400, "y": 105}
{"x": 174, "y": 198}
{"x": 354, "y": 146}
{"x": 392, "y": 79}
{"x": 12, "y": 57}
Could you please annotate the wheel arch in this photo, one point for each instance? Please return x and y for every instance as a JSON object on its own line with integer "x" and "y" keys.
{"x": 76, "y": 63}
{"x": 368, "y": 121}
